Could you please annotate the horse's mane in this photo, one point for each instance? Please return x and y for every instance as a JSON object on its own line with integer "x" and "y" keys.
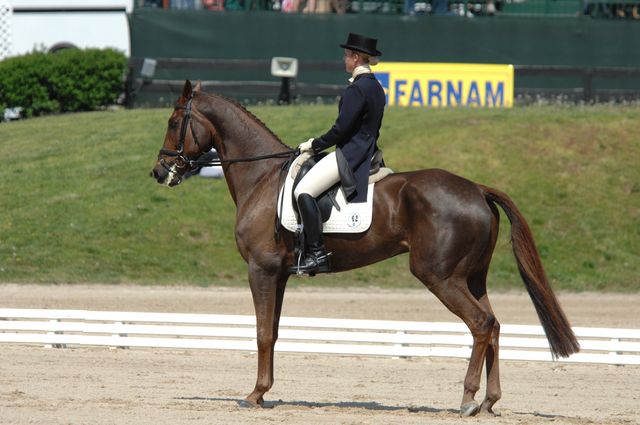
{"x": 250, "y": 115}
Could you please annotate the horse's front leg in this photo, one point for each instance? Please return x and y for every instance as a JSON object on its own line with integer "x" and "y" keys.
{"x": 267, "y": 289}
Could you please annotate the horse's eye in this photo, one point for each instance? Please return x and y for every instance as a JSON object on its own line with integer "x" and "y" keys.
{"x": 173, "y": 124}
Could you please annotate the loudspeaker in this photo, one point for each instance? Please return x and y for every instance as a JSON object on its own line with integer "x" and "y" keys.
{"x": 148, "y": 68}
{"x": 284, "y": 67}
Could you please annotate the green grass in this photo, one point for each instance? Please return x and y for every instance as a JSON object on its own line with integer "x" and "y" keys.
{"x": 78, "y": 204}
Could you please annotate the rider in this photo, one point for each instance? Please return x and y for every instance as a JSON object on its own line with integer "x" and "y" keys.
{"x": 354, "y": 134}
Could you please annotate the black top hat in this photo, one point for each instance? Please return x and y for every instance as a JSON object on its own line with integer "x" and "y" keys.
{"x": 363, "y": 44}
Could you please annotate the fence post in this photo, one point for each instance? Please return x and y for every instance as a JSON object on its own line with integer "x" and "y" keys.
{"x": 615, "y": 353}
{"x": 6, "y": 17}
{"x": 400, "y": 345}
{"x": 117, "y": 337}
{"x": 587, "y": 85}
{"x": 55, "y": 333}
{"x": 128, "y": 89}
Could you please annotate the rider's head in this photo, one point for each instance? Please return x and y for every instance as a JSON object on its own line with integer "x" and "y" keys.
{"x": 359, "y": 50}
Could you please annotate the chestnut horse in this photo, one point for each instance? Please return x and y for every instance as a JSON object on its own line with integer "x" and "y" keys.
{"x": 448, "y": 224}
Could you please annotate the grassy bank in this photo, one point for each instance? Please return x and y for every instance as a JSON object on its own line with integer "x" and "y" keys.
{"x": 78, "y": 204}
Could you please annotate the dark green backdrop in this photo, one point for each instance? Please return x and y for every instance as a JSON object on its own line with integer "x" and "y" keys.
{"x": 579, "y": 42}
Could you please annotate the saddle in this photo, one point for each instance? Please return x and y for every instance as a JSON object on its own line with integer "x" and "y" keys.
{"x": 327, "y": 201}
{"x": 338, "y": 216}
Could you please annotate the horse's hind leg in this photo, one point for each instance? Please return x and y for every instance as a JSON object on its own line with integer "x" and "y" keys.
{"x": 477, "y": 285}
{"x": 494, "y": 392}
{"x": 456, "y": 296}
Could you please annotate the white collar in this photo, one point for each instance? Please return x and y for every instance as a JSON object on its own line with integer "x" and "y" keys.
{"x": 360, "y": 69}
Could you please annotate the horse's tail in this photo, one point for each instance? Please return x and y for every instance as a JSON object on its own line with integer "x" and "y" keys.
{"x": 561, "y": 338}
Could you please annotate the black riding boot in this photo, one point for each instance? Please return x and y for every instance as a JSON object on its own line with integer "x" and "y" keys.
{"x": 316, "y": 259}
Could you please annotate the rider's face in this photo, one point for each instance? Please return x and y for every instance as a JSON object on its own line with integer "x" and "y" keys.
{"x": 350, "y": 60}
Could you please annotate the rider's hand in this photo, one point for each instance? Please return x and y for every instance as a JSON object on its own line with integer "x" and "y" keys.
{"x": 306, "y": 146}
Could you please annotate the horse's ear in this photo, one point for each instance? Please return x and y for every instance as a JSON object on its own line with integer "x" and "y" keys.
{"x": 198, "y": 86}
{"x": 186, "y": 90}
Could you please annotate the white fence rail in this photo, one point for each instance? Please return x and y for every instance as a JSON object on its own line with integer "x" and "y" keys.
{"x": 59, "y": 328}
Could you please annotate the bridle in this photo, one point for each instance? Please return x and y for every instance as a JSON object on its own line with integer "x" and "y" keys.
{"x": 183, "y": 160}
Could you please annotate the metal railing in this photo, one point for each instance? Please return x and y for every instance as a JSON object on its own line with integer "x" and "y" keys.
{"x": 577, "y": 84}
{"x": 587, "y": 91}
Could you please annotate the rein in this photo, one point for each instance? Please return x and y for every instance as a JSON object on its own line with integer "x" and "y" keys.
{"x": 192, "y": 163}
{"x": 218, "y": 161}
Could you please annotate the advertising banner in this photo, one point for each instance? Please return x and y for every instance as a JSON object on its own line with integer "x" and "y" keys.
{"x": 446, "y": 84}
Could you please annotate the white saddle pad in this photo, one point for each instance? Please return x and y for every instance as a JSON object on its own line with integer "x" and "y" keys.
{"x": 352, "y": 218}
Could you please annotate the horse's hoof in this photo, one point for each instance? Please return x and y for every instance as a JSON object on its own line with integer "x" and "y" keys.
{"x": 469, "y": 409}
{"x": 246, "y": 404}
{"x": 487, "y": 408}
{"x": 490, "y": 412}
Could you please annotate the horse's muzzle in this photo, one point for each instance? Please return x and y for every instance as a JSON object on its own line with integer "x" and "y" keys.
{"x": 166, "y": 175}
{"x": 159, "y": 173}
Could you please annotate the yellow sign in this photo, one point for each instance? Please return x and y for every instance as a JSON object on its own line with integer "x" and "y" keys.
{"x": 446, "y": 84}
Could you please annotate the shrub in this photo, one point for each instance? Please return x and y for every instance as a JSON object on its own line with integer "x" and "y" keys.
{"x": 66, "y": 81}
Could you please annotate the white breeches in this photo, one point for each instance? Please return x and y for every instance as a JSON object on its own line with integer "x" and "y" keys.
{"x": 321, "y": 177}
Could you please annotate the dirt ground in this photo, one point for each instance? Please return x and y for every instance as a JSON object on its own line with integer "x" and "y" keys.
{"x": 157, "y": 386}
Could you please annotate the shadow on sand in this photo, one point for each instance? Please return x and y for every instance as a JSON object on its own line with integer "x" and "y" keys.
{"x": 368, "y": 405}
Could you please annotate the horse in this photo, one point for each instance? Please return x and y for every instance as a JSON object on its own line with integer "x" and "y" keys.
{"x": 447, "y": 224}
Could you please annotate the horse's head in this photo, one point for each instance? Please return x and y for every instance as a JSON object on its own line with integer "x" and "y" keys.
{"x": 189, "y": 135}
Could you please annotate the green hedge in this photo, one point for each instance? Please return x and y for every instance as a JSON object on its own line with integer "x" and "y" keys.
{"x": 66, "y": 81}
